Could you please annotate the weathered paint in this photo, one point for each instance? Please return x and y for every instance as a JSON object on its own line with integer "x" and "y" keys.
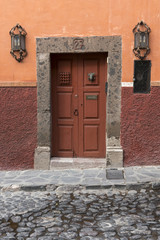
{"x": 45, "y": 18}
{"x": 140, "y": 131}
{"x": 18, "y": 120}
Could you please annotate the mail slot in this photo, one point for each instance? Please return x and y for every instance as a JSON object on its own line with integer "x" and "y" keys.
{"x": 91, "y": 97}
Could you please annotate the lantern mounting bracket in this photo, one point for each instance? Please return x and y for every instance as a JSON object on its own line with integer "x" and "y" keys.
{"x": 18, "y": 48}
{"x": 141, "y": 40}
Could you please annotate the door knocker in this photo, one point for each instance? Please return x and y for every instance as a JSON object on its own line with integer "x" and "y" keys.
{"x": 91, "y": 77}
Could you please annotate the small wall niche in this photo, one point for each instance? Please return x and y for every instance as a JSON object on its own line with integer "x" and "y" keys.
{"x": 141, "y": 79}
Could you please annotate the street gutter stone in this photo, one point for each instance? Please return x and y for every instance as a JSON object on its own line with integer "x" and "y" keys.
{"x": 114, "y": 174}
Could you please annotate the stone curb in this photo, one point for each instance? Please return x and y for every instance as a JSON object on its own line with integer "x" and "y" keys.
{"x": 155, "y": 185}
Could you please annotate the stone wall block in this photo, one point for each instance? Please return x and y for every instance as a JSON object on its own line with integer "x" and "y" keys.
{"x": 43, "y": 81}
{"x": 114, "y": 157}
{"x": 44, "y": 128}
{"x": 42, "y": 158}
{"x": 113, "y": 126}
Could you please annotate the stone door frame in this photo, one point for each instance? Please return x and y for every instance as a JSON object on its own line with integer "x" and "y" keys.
{"x": 111, "y": 45}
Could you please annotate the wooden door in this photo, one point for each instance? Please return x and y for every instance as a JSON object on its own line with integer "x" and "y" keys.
{"x": 79, "y": 105}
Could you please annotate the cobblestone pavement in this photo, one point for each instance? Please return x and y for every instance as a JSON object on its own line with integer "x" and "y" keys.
{"x": 80, "y": 214}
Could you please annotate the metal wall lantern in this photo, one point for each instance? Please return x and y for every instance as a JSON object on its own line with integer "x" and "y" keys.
{"x": 141, "y": 40}
{"x": 18, "y": 45}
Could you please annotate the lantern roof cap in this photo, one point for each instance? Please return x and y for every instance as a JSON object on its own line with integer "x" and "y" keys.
{"x": 20, "y": 29}
{"x": 138, "y": 27}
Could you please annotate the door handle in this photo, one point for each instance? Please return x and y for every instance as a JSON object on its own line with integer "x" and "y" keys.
{"x": 75, "y": 112}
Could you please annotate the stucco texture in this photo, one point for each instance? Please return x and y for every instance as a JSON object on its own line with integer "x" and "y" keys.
{"x": 140, "y": 130}
{"x": 18, "y": 128}
{"x": 76, "y": 18}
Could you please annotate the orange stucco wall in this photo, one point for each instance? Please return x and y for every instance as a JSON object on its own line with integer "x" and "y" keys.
{"x": 76, "y": 18}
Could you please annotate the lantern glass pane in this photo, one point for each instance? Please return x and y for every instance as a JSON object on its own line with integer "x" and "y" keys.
{"x": 141, "y": 40}
{"x": 136, "y": 40}
{"x": 15, "y": 42}
{"x": 144, "y": 40}
{"x": 23, "y": 47}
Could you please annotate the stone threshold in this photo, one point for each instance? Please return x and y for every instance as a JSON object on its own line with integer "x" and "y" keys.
{"x": 77, "y": 163}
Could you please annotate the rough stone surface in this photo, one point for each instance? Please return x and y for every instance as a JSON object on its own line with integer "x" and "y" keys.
{"x": 43, "y": 100}
{"x": 114, "y": 94}
{"x": 80, "y": 215}
{"x": 114, "y": 156}
{"x": 42, "y": 158}
{"x": 18, "y": 127}
{"x": 140, "y": 131}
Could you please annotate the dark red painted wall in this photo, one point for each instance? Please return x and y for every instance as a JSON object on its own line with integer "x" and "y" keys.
{"x": 18, "y": 124}
{"x": 140, "y": 127}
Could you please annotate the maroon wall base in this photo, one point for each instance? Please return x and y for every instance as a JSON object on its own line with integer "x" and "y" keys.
{"x": 18, "y": 122}
{"x": 140, "y": 127}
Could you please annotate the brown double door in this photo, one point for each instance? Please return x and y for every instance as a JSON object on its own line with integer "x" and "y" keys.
{"x": 78, "y": 105}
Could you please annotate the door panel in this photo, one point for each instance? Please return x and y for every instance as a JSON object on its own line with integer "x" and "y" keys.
{"x": 65, "y": 138}
{"x": 78, "y": 105}
{"x": 63, "y": 122}
{"x": 90, "y": 138}
{"x": 93, "y": 108}
{"x": 65, "y": 100}
{"x": 91, "y": 105}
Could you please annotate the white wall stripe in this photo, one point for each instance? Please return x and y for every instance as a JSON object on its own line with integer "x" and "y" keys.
{"x": 127, "y": 84}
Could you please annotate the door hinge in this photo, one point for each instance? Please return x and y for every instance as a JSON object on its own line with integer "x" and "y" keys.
{"x": 106, "y": 87}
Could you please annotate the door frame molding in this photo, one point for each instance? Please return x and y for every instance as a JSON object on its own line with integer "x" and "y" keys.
{"x": 112, "y": 45}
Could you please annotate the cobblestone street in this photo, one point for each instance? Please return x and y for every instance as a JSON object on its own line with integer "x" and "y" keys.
{"x": 80, "y": 214}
